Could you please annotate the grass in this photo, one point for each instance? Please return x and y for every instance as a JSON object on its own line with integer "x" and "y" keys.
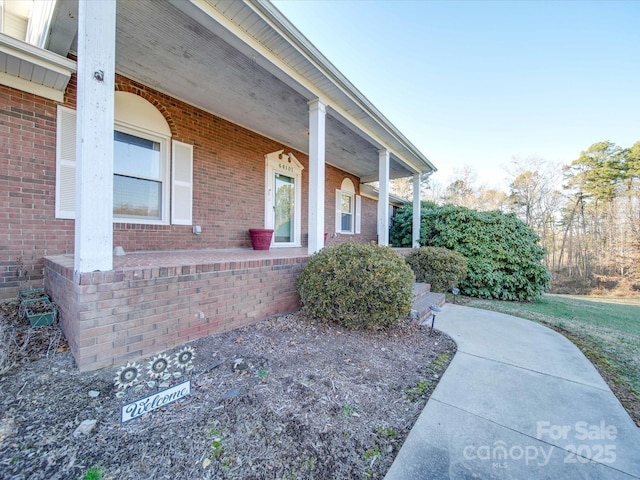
{"x": 608, "y": 333}
{"x": 94, "y": 473}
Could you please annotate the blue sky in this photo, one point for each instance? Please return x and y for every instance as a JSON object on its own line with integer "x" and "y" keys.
{"x": 479, "y": 82}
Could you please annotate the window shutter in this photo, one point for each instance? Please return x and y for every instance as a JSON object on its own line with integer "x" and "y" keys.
{"x": 66, "y": 163}
{"x": 358, "y": 213}
{"x": 181, "y": 183}
{"x": 338, "y": 211}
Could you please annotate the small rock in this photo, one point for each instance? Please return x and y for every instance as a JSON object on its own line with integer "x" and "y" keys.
{"x": 233, "y": 393}
{"x": 85, "y": 428}
{"x": 94, "y": 393}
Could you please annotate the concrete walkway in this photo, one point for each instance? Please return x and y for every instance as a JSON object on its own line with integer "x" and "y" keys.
{"x": 518, "y": 401}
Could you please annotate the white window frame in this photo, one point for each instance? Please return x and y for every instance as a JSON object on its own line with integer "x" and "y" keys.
{"x": 347, "y": 188}
{"x": 165, "y": 168}
{"x": 176, "y": 155}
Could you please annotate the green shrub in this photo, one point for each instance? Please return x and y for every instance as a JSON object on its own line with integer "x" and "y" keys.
{"x": 440, "y": 267}
{"x": 504, "y": 259}
{"x": 357, "y": 285}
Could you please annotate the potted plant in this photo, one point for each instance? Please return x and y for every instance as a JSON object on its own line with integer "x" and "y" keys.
{"x": 261, "y": 238}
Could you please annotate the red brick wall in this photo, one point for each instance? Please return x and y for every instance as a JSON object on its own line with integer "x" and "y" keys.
{"x": 110, "y": 318}
{"x": 27, "y": 172}
{"x": 228, "y": 196}
{"x": 369, "y": 224}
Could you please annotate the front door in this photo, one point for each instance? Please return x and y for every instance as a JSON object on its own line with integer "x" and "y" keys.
{"x": 284, "y": 208}
{"x": 283, "y": 198}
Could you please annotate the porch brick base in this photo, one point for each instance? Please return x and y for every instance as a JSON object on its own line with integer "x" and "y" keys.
{"x": 113, "y": 317}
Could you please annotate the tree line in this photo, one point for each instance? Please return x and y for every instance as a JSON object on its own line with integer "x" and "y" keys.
{"x": 586, "y": 213}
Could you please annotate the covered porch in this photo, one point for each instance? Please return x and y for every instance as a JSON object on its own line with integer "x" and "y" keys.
{"x": 231, "y": 102}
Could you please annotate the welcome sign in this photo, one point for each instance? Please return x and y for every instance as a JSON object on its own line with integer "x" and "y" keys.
{"x": 152, "y": 402}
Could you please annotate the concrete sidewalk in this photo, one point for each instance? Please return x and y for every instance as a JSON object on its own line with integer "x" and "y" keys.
{"x": 517, "y": 401}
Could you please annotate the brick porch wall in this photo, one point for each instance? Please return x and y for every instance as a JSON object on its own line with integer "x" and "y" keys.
{"x": 113, "y": 317}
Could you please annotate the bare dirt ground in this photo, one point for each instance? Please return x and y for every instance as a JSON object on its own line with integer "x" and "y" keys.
{"x": 284, "y": 398}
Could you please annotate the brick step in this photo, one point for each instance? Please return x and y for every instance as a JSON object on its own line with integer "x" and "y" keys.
{"x": 420, "y": 310}
{"x": 420, "y": 290}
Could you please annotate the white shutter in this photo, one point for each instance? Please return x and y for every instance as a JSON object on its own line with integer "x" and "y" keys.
{"x": 181, "y": 183}
{"x": 358, "y": 213}
{"x": 66, "y": 163}
{"x": 338, "y": 211}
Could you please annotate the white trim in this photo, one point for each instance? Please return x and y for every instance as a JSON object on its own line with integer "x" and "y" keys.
{"x": 31, "y": 87}
{"x": 30, "y": 58}
{"x": 355, "y": 199}
{"x": 134, "y": 111}
{"x": 165, "y": 149}
{"x": 285, "y": 164}
{"x": 38, "y": 56}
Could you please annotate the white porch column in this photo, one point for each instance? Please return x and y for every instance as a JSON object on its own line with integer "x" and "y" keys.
{"x": 383, "y": 200}
{"x": 416, "y": 211}
{"x": 94, "y": 133}
{"x": 317, "y": 112}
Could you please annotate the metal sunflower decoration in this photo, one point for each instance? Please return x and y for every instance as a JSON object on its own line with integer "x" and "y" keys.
{"x": 158, "y": 366}
{"x": 184, "y": 358}
{"x": 127, "y": 375}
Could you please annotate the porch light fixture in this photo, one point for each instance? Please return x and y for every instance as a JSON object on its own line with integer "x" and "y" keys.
{"x": 434, "y": 309}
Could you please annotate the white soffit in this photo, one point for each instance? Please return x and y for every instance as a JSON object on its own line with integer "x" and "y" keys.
{"x": 33, "y": 69}
{"x": 260, "y": 26}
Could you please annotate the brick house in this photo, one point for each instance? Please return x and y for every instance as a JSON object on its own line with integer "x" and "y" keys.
{"x": 166, "y": 130}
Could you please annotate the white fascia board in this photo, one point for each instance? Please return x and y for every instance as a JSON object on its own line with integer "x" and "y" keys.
{"x": 26, "y": 54}
{"x": 31, "y": 87}
{"x": 280, "y": 24}
{"x": 37, "y": 56}
{"x": 272, "y": 15}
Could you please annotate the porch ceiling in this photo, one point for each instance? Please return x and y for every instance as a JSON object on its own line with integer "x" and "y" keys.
{"x": 236, "y": 61}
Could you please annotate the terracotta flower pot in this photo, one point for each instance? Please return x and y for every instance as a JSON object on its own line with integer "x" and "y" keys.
{"x": 261, "y": 238}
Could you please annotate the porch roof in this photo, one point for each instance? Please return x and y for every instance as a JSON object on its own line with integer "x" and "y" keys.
{"x": 244, "y": 61}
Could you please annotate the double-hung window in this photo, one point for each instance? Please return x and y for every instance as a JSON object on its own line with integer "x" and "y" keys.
{"x": 346, "y": 211}
{"x": 139, "y": 177}
{"x": 348, "y": 208}
{"x": 152, "y": 175}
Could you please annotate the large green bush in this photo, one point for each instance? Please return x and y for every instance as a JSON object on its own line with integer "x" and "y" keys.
{"x": 440, "y": 267}
{"x": 357, "y": 285}
{"x": 503, "y": 254}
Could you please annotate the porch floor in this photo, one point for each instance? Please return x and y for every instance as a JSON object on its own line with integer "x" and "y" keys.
{"x": 178, "y": 258}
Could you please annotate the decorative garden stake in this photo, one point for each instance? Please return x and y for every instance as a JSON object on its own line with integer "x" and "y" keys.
{"x": 127, "y": 375}
{"x": 434, "y": 309}
{"x": 455, "y": 291}
{"x": 184, "y": 358}
{"x": 158, "y": 365}
{"x": 159, "y": 375}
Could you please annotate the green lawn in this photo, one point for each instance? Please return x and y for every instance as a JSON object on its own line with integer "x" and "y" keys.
{"x": 608, "y": 332}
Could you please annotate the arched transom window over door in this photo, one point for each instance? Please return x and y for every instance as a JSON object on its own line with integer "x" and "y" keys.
{"x": 283, "y": 198}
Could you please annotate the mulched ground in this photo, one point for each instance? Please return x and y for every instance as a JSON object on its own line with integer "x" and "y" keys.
{"x": 284, "y": 398}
